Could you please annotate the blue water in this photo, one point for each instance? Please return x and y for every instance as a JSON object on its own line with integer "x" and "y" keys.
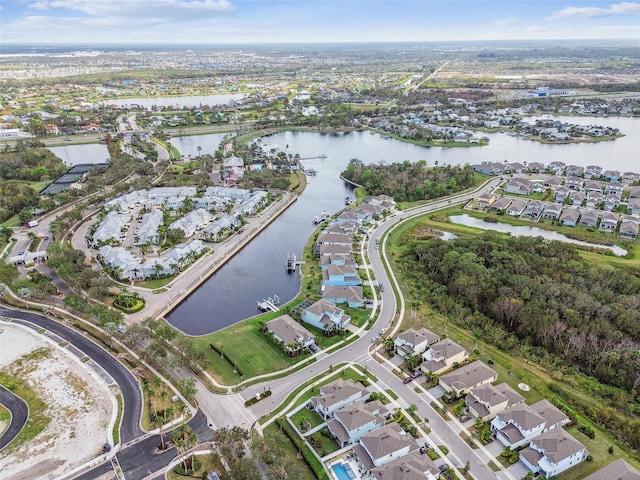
{"x": 343, "y": 472}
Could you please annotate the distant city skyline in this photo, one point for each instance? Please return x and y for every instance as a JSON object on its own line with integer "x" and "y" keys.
{"x": 187, "y": 22}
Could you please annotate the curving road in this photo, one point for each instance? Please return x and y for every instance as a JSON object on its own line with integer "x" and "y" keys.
{"x": 131, "y": 393}
{"x": 19, "y": 415}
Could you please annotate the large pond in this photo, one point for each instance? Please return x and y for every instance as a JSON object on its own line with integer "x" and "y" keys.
{"x": 258, "y": 271}
{"x": 188, "y": 145}
{"x": 176, "y": 102}
{"x": 528, "y": 231}
{"x": 87, "y": 153}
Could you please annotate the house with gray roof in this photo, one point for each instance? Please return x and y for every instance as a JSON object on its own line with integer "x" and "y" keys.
{"x": 231, "y": 193}
{"x": 110, "y": 229}
{"x": 293, "y": 335}
{"x": 192, "y": 222}
{"x": 383, "y": 446}
{"x": 351, "y": 295}
{"x": 629, "y": 227}
{"x": 519, "y": 186}
{"x": 534, "y": 208}
{"x": 500, "y": 204}
{"x": 334, "y": 249}
{"x": 569, "y": 217}
{"x": 352, "y": 421}
{"x": 574, "y": 183}
{"x": 593, "y": 186}
{"x": 442, "y": 356}
{"x": 147, "y": 230}
{"x": 634, "y": 206}
{"x": 467, "y": 377}
{"x": 618, "y": 470}
{"x": 520, "y": 423}
{"x": 340, "y": 275}
{"x": 552, "y": 211}
{"x": 516, "y": 207}
{"x": 486, "y": 401}
{"x": 338, "y": 394}
{"x": 552, "y": 453}
{"x": 121, "y": 261}
{"x": 609, "y": 222}
{"x": 325, "y": 315}
{"x": 217, "y": 230}
{"x": 413, "y": 466}
{"x": 413, "y": 341}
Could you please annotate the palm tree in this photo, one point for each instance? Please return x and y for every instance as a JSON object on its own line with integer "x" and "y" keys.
{"x": 110, "y": 329}
{"x": 24, "y": 293}
{"x": 3, "y": 290}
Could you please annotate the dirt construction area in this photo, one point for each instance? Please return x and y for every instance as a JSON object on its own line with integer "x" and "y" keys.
{"x": 66, "y": 397}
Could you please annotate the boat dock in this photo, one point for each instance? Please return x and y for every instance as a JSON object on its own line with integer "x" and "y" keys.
{"x": 269, "y": 304}
{"x": 292, "y": 263}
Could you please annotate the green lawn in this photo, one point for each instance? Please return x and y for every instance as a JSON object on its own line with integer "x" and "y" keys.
{"x": 305, "y": 415}
{"x": 5, "y": 418}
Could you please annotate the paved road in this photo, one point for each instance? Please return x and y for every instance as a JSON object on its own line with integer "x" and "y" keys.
{"x": 19, "y": 414}
{"x": 131, "y": 393}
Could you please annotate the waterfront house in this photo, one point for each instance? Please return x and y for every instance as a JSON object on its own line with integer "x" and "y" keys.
{"x": 413, "y": 341}
{"x": 516, "y": 207}
{"x": 611, "y": 175}
{"x": 520, "y": 423}
{"x": 334, "y": 239}
{"x": 593, "y": 186}
{"x": 333, "y": 250}
{"x": 384, "y": 201}
{"x": 552, "y": 211}
{"x": 592, "y": 171}
{"x": 340, "y": 275}
{"x": 343, "y": 260}
{"x": 348, "y": 216}
{"x": 489, "y": 168}
{"x": 382, "y": 446}
{"x": 552, "y": 453}
{"x": 352, "y": 421}
{"x": 413, "y": 466}
{"x": 325, "y": 315}
{"x": 344, "y": 228}
{"x": 569, "y": 217}
{"x": 574, "y": 171}
{"x": 589, "y": 218}
{"x": 618, "y": 470}
{"x": 367, "y": 212}
{"x": 609, "y": 222}
{"x": 443, "y": 355}
{"x": 351, "y": 295}
{"x": 534, "y": 208}
{"x": 486, "y": 401}
{"x": 292, "y": 335}
{"x": 629, "y": 227}
{"x": 536, "y": 167}
{"x": 517, "y": 167}
{"x": 338, "y": 394}
{"x": 574, "y": 183}
{"x": 500, "y": 204}
{"x": 557, "y": 167}
{"x": 631, "y": 176}
{"x": 485, "y": 200}
{"x": 463, "y": 379}
{"x": 519, "y": 186}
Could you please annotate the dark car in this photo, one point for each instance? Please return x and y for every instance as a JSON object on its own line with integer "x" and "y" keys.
{"x": 381, "y": 287}
{"x": 407, "y": 380}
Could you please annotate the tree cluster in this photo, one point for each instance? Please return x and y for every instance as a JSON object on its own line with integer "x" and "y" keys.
{"x": 409, "y": 182}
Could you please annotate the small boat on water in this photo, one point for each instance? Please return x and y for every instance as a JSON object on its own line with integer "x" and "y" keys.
{"x": 348, "y": 201}
{"x": 321, "y": 218}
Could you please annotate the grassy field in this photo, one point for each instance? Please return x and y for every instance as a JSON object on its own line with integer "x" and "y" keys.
{"x": 5, "y": 418}
{"x": 273, "y": 434}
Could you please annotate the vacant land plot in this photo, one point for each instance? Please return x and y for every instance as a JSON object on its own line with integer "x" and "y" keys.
{"x": 69, "y": 409}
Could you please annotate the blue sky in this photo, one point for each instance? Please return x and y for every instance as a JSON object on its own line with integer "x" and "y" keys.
{"x": 295, "y": 21}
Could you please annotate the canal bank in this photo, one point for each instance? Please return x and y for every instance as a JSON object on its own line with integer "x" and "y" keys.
{"x": 160, "y": 304}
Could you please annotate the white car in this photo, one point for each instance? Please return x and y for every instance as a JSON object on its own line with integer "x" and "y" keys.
{"x": 374, "y": 339}
{"x": 122, "y": 328}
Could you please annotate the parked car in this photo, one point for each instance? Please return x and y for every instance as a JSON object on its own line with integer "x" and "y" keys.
{"x": 381, "y": 287}
{"x": 374, "y": 339}
{"x": 408, "y": 380}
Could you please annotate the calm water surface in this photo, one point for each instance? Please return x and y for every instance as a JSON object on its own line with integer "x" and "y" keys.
{"x": 88, "y": 153}
{"x": 258, "y": 271}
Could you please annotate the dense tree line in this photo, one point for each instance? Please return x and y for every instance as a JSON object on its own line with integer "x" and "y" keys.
{"x": 544, "y": 293}
{"x": 540, "y": 300}
{"x": 409, "y": 182}
{"x": 30, "y": 164}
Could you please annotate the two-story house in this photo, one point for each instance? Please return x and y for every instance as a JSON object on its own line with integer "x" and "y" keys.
{"x": 382, "y": 446}
{"x": 486, "y": 401}
{"x": 618, "y": 470}
{"x": 336, "y": 395}
{"x": 351, "y": 422}
{"x": 609, "y": 222}
{"x": 413, "y": 466}
{"x": 325, "y": 315}
{"x": 351, "y": 295}
{"x": 443, "y": 355}
{"x": 463, "y": 379}
{"x": 413, "y": 341}
{"x": 340, "y": 275}
{"x": 552, "y": 453}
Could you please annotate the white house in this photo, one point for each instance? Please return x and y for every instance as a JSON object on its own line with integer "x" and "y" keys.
{"x": 325, "y": 315}
{"x": 413, "y": 341}
{"x": 382, "y": 446}
{"x": 336, "y": 395}
{"x": 553, "y": 452}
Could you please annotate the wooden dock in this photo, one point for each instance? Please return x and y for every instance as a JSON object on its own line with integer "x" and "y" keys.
{"x": 269, "y": 304}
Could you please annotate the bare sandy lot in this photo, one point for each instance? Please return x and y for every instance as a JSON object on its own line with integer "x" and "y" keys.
{"x": 78, "y": 404}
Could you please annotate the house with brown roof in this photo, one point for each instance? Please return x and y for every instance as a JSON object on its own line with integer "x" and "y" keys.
{"x": 337, "y": 395}
{"x": 485, "y": 200}
{"x": 500, "y": 204}
{"x": 413, "y": 341}
{"x": 486, "y": 401}
{"x": 552, "y": 453}
{"x": 536, "y": 167}
{"x": 552, "y": 181}
{"x": 352, "y": 421}
{"x": 577, "y": 197}
{"x": 383, "y": 446}
{"x": 618, "y": 470}
{"x": 443, "y": 355}
{"x": 463, "y": 379}
{"x": 293, "y": 335}
{"x": 634, "y": 206}
{"x": 520, "y": 423}
{"x": 413, "y": 466}
{"x": 593, "y": 186}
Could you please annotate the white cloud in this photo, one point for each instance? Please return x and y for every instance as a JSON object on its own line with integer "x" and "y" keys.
{"x": 505, "y": 22}
{"x": 622, "y": 9}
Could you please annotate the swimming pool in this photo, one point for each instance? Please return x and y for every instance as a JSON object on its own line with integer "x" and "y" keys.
{"x": 343, "y": 471}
